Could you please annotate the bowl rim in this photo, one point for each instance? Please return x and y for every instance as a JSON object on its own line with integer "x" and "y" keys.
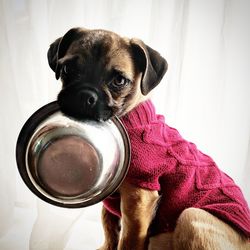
{"x": 22, "y": 143}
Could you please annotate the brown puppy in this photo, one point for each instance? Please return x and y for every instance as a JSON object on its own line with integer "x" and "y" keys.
{"x": 105, "y": 75}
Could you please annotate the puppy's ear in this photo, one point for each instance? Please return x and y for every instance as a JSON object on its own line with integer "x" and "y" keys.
{"x": 59, "y": 48}
{"x": 152, "y": 65}
{"x": 52, "y": 54}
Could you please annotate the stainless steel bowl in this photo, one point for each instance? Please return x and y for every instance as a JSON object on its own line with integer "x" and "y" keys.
{"x": 71, "y": 163}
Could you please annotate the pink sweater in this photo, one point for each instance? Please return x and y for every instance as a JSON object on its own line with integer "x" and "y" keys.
{"x": 185, "y": 177}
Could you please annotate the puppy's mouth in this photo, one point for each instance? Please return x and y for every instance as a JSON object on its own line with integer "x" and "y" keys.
{"x": 84, "y": 103}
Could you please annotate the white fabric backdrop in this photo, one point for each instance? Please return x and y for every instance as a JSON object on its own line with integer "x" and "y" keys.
{"x": 205, "y": 94}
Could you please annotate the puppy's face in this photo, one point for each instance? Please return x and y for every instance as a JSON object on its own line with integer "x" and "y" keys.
{"x": 103, "y": 74}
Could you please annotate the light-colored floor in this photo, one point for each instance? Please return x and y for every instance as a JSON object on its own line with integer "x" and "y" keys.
{"x": 85, "y": 234}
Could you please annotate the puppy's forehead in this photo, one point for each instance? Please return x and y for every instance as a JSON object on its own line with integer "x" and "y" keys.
{"x": 106, "y": 46}
{"x": 95, "y": 37}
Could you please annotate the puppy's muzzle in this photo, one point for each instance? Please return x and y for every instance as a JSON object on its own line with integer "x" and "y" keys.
{"x": 83, "y": 103}
{"x": 89, "y": 98}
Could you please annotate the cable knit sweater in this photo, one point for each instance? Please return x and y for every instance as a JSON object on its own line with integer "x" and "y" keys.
{"x": 185, "y": 177}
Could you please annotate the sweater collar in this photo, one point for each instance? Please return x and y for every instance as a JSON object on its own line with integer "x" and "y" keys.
{"x": 141, "y": 115}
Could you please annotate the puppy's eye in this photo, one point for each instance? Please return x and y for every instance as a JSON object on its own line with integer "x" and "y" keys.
{"x": 65, "y": 69}
{"x": 120, "y": 81}
{"x": 69, "y": 71}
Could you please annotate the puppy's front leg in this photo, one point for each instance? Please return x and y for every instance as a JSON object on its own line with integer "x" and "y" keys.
{"x": 111, "y": 227}
{"x": 137, "y": 208}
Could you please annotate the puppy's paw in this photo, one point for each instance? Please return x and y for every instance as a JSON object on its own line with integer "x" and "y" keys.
{"x": 108, "y": 247}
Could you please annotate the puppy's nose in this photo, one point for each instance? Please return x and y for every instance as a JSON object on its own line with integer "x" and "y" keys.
{"x": 89, "y": 97}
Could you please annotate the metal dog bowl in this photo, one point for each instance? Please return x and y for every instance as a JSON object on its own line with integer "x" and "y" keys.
{"x": 71, "y": 163}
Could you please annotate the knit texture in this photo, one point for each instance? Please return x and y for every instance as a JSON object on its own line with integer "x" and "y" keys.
{"x": 185, "y": 177}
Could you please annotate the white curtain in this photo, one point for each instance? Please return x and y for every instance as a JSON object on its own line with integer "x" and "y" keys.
{"x": 205, "y": 94}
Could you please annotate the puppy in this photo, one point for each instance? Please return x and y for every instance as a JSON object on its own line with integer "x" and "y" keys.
{"x": 174, "y": 196}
